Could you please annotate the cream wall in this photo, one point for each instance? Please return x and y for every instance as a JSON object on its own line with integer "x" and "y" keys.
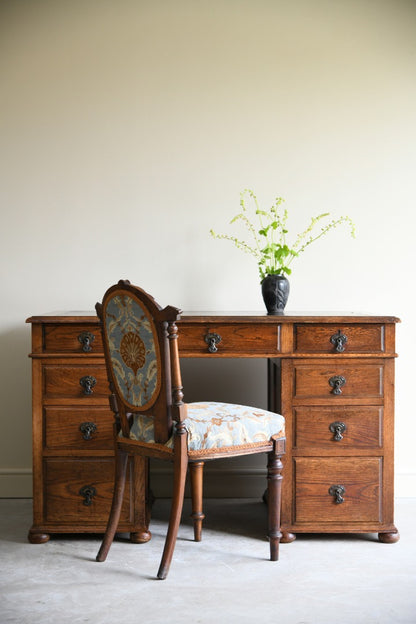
{"x": 128, "y": 129}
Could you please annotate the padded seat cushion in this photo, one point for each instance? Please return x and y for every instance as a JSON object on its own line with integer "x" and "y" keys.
{"x": 212, "y": 425}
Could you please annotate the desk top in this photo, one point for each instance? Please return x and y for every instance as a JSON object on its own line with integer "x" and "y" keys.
{"x": 231, "y": 317}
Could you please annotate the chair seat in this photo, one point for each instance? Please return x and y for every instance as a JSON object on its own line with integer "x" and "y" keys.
{"x": 212, "y": 426}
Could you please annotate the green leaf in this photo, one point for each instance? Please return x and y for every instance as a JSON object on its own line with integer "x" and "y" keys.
{"x": 275, "y": 257}
{"x": 279, "y": 254}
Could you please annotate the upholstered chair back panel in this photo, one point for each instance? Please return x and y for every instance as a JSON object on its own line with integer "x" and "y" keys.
{"x": 133, "y": 346}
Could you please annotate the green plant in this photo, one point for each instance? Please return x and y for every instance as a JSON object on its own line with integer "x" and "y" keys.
{"x": 270, "y": 248}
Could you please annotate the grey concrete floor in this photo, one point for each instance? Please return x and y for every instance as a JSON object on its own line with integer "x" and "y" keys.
{"x": 226, "y": 578}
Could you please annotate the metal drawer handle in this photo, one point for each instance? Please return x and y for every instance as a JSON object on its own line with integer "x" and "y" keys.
{"x": 339, "y": 341}
{"x": 336, "y": 383}
{"x": 338, "y": 428}
{"x": 212, "y": 340}
{"x": 86, "y": 338}
{"x": 337, "y": 491}
{"x": 88, "y": 492}
{"x": 88, "y": 382}
{"x": 87, "y": 429}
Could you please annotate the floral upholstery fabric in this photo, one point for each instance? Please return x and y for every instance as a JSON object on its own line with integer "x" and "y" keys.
{"x": 133, "y": 350}
{"x": 212, "y": 426}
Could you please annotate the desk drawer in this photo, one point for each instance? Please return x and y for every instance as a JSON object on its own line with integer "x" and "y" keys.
{"x": 232, "y": 340}
{"x": 367, "y": 338}
{"x": 75, "y": 382}
{"x": 360, "y": 478}
{"x": 78, "y": 429}
{"x": 73, "y": 338}
{"x": 336, "y": 380}
{"x": 334, "y": 429}
{"x": 81, "y": 491}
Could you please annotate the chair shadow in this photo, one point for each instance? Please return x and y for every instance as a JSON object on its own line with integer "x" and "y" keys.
{"x": 242, "y": 517}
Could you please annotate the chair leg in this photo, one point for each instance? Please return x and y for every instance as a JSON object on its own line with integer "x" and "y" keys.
{"x": 179, "y": 478}
{"x": 113, "y": 520}
{"x": 274, "y": 489}
{"x": 196, "y": 471}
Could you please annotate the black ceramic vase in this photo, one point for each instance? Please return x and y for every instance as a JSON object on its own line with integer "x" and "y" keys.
{"x": 275, "y": 291}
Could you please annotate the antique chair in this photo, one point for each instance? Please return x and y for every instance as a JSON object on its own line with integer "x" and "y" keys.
{"x": 141, "y": 353}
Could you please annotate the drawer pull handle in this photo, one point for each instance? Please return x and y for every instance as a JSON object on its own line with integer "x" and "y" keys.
{"x": 86, "y": 338}
{"x": 336, "y": 383}
{"x": 337, "y": 491}
{"x": 88, "y": 382}
{"x": 87, "y": 429}
{"x": 212, "y": 340}
{"x": 87, "y": 492}
{"x": 338, "y": 428}
{"x": 339, "y": 341}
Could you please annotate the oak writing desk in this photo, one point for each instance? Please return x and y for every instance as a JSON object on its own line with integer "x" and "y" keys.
{"x": 331, "y": 376}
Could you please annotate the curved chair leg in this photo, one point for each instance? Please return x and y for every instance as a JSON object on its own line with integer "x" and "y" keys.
{"x": 120, "y": 481}
{"x": 274, "y": 489}
{"x": 196, "y": 472}
{"x": 179, "y": 478}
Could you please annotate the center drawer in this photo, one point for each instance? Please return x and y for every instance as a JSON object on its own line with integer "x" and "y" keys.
{"x": 231, "y": 340}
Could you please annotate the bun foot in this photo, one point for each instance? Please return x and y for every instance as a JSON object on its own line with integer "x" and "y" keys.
{"x": 389, "y": 538}
{"x": 287, "y": 537}
{"x": 38, "y": 538}
{"x": 140, "y": 537}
